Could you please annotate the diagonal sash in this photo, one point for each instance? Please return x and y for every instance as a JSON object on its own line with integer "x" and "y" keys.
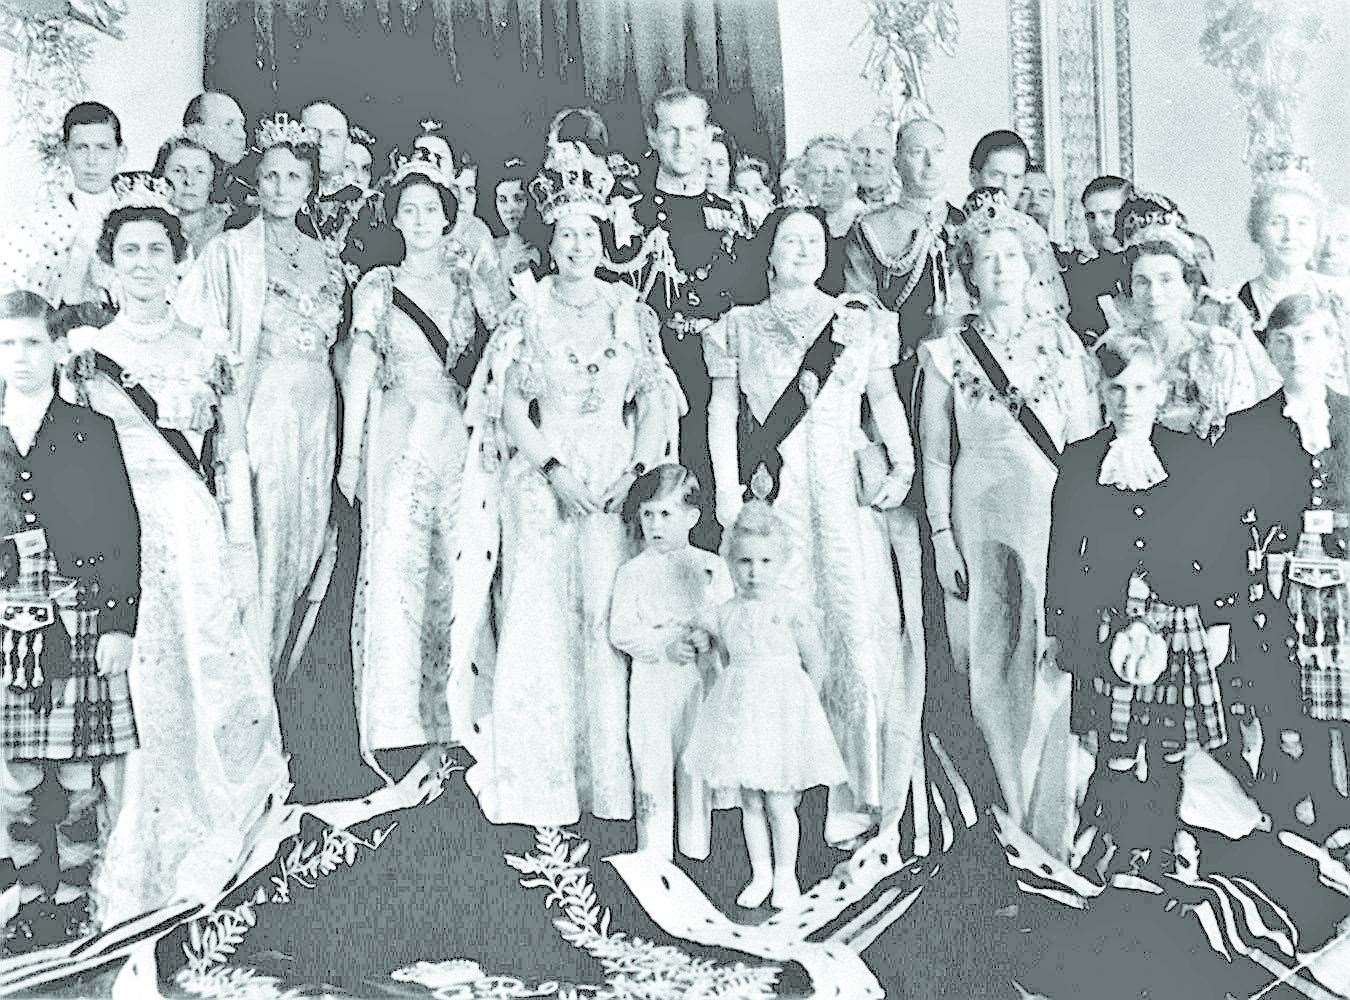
{"x": 424, "y": 323}
{"x": 760, "y": 441}
{"x": 203, "y": 467}
{"x": 998, "y": 378}
{"x": 462, "y": 370}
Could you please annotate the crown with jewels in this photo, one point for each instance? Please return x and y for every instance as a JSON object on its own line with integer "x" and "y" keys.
{"x": 574, "y": 180}
{"x": 988, "y": 211}
{"x": 1284, "y": 169}
{"x": 427, "y": 162}
{"x": 1162, "y": 223}
{"x": 142, "y": 189}
{"x": 280, "y": 128}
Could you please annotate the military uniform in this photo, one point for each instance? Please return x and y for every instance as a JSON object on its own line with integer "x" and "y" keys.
{"x": 706, "y": 239}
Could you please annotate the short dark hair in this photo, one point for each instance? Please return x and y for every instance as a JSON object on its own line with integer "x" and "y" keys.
{"x": 1105, "y": 184}
{"x": 23, "y": 304}
{"x": 1293, "y": 310}
{"x": 192, "y": 114}
{"x": 1114, "y": 353}
{"x": 994, "y": 142}
{"x": 173, "y": 145}
{"x": 91, "y": 113}
{"x": 676, "y": 95}
{"x": 394, "y": 196}
{"x": 721, "y": 135}
{"x": 1190, "y": 270}
{"x": 665, "y": 480}
{"x": 511, "y": 170}
{"x": 119, "y": 217}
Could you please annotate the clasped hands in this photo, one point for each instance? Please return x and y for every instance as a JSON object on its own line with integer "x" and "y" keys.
{"x": 689, "y": 644}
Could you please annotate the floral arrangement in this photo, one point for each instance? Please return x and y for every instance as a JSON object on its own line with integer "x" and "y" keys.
{"x": 907, "y": 34}
{"x": 1264, "y": 47}
{"x": 52, "y": 50}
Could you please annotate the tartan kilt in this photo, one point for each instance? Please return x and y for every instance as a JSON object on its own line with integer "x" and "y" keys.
{"x": 1183, "y": 708}
{"x": 90, "y": 716}
{"x": 1322, "y": 650}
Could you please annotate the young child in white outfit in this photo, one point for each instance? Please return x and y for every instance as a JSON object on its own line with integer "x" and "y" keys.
{"x": 762, "y": 730}
{"x": 658, "y": 595}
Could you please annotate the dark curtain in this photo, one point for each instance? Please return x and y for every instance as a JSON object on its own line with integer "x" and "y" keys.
{"x": 494, "y": 99}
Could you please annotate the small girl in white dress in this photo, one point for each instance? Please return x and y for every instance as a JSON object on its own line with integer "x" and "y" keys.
{"x": 659, "y": 594}
{"x": 762, "y": 730}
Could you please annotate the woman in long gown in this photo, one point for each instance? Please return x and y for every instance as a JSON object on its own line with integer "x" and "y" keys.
{"x": 548, "y": 722}
{"x": 1012, "y": 370}
{"x": 277, "y": 295}
{"x": 840, "y": 559}
{"x": 210, "y": 750}
{"x": 404, "y": 442}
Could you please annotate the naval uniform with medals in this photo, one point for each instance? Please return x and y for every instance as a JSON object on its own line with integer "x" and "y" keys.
{"x": 705, "y": 238}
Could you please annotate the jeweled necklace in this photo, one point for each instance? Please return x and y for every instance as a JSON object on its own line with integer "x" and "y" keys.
{"x": 146, "y": 332}
{"x": 291, "y": 253}
{"x": 578, "y": 307}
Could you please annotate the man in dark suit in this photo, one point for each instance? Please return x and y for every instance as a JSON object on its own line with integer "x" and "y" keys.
{"x": 1101, "y": 271}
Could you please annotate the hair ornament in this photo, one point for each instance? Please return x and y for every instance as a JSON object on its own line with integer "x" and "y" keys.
{"x": 141, "y": 189}
{"x": 359, "y": 135}
{"x": 1164, "y": 223}
{"x": 282, "y": 128}
{"x": 1284, "y": 169}
{"x": 426, "y": 162}
{"x": 988, "y": 211}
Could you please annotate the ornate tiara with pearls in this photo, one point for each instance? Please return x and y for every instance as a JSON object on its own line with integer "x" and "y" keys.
{"x": 988, "y": 211}
{"x": 142, "y": 189}
{"x": 574, "y": 180}
{"x": 280, "y": 128}
{"x": 1163, "y": 224}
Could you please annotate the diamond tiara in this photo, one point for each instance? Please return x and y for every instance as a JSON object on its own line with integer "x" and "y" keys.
{"x": 280, "y": 128}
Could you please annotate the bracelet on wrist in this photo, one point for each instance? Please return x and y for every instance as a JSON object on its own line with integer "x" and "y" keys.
{"x": 550, "y": 464}
{"x": 945, "y": 527}
{"x": 638, "y": 469}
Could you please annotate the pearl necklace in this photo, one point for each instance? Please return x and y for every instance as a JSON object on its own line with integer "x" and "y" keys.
{"x": 146, "y": 333}
{"x": 577, "y": 307}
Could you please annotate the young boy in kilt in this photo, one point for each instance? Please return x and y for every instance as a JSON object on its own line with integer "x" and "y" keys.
{"x": 70, "y": 580}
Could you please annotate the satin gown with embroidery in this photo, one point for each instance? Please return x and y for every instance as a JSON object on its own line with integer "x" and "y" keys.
{"x": 210, "y": 750}
{"x": 550, "y": 729}
{"x": 840, "y": 559}
{"x": 1000, "y": 514}
{"x": 413, "y": 458}
{"x": 292, "y": 436}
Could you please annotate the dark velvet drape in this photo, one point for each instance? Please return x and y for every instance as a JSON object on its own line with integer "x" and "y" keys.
{"x": 495, "y": 99}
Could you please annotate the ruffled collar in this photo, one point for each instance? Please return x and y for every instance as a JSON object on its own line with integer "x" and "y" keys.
{"x": 1313, "y": 420}
{"x": 1131, "y": 463}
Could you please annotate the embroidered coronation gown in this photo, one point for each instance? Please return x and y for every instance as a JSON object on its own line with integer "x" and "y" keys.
{"x": 210, "y": 751}
{"x": 1000, "y": 516}
{"x": 413, "y": 457}
{"x": 840, "y": 557}
{"x": 548, "y": 721}
{"x": 281, "y": 329}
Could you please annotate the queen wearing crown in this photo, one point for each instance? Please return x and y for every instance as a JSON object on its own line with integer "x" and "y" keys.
{"x": 1002, "y": 395}
{"x": 210, "y": 749}
{"x": 275, "y": 295}
{"x": 414, "y": 349}
{"x": 572, "y": 400}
